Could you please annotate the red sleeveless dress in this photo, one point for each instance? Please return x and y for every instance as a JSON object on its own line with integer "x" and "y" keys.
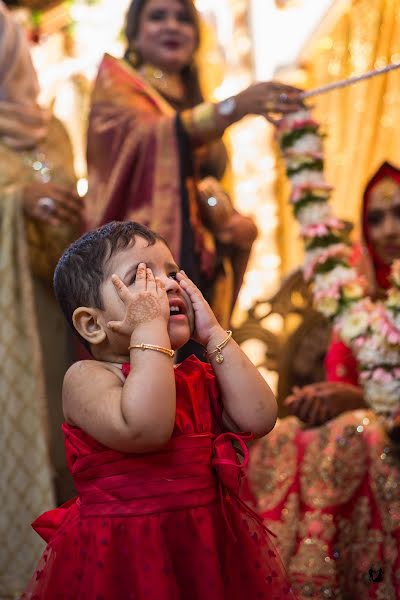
{"x": 166, "y": 525}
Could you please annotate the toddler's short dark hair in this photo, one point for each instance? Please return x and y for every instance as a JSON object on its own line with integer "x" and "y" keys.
{"x": 81, "y": 269}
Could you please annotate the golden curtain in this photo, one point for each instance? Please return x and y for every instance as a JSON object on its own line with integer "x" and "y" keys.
{"x": 361, "y": 122}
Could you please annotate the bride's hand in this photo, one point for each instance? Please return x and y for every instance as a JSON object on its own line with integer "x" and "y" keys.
{"x": 319, "y": 402}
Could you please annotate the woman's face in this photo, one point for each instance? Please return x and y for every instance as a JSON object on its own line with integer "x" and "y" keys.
{"x": 166, "y": 35}
{"x": 383, "y": 219}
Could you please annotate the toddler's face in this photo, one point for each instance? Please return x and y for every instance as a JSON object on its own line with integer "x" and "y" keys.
{"x": 159, "y": 259}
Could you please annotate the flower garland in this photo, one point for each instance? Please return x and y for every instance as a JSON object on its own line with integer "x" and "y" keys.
{"x": 371, "y": 329}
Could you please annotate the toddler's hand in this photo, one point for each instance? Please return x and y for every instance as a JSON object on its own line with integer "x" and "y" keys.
{"x": 205, "y": 322}
{"x": 146, "y": 303}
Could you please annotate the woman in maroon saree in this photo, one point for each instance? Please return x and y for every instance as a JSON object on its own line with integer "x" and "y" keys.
{"x": 152, "y": 139}
{"x": 330, "y": 487}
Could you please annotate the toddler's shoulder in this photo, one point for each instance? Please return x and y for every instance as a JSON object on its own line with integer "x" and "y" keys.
{"x": 90, "y": 375}
{"x": 85, "y": 383}
{"x": 81, "y": 370}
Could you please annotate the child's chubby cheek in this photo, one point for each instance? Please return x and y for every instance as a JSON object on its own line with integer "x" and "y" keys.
{"x": 189, "y": 310}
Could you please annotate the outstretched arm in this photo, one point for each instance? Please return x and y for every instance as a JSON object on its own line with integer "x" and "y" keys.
{"x": 247, "y": 399}
{"x": 208, "y": 121}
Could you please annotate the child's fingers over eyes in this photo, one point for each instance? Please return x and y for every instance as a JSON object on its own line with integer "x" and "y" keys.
{"x": 187, "y": 283}
{"x": 160, "y": 286}
{"x": 141, "y": 278}
{"x": 151, "y": 283}
{"x": 121, "y": 288}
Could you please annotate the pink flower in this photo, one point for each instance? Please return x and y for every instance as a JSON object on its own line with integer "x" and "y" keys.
{"x": 314, "y": 230}
{"x": 284, "y": 127}
{"x": 334, "y": 251}
{"x": 335, "y": 223}
{"x": 331, "y": 225}
{"x": 382, "y": 376}
{"x": 359, "y": 342}
{"x": 331, "y": 292}
{"x": 302, "y": 189}
{"x": 365, "y": 375}
{"x": 387, "y": 328}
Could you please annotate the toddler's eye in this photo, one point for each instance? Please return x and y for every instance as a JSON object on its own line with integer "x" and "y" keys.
{"x": 172, "y": 275}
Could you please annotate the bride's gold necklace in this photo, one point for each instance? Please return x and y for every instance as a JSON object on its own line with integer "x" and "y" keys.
{"x": 167, "y": 84}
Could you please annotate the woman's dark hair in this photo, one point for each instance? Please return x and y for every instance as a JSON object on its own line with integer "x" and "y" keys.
{"x": 83, "y": 267}
{"x": 190, "y": 72}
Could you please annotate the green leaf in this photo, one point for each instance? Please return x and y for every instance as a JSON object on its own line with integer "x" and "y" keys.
{"x": 288, "y": 139}
{"x": 314, "y": 165}
{"x": 305, "y": 200}
{"x": 324, "y": 241}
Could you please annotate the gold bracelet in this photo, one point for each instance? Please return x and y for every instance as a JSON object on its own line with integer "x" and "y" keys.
{"x": 168, "y": 351}
{"x": 200, "y": 122}
{"x": 220, "y": 358}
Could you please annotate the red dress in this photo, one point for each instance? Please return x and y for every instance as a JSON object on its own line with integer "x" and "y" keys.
{"x": 332, "y": 495}
{"x": 166, "y": 525}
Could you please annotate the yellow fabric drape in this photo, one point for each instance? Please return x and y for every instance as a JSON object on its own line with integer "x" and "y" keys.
{"x": 361, "y": 122}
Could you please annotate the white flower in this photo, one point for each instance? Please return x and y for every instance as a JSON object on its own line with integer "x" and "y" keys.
{"x": 296, "y": 117}
{"x": 312, "y": 255}
{"x": 395, "y": 318}
{"x": 395, "y": 272}
{"x": 375, "y": 352}
{"x": 320, "y": 255}
{"x": 393, "y": 300}
{"x": 315, "y": 212}
{"x": 352, "y": 324}
{"x": 353, "y": 290}
{"x": 314, "y": 178}
{"x": 382, "y": 398}
{"x": 327, "y": 305}
{"x": 307, "y": 143}
{"x": 338, "y": 275}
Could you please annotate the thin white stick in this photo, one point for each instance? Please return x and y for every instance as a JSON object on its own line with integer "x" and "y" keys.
{"x": 345, "y": 82}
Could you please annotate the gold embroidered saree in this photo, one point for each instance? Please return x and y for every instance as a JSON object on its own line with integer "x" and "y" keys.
{"x": 33, "y": 360}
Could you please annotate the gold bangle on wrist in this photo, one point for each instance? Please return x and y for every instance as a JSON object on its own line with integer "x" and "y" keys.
{"x": 161, "y": 349}
{"x": 219, "y": 356}
{"x": 200, "y": 122}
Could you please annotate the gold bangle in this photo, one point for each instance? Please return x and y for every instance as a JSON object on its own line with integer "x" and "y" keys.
{"x": 200, "y": 122}
{"x": 168, "y": 351}
{"x": 220, "y": 357}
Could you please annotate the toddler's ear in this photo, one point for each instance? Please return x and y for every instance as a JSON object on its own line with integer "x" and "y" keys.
{"x": 88, "y": 325}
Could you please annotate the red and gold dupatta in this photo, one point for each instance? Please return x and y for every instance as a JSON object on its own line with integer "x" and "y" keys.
{"x": 133, "y": 157}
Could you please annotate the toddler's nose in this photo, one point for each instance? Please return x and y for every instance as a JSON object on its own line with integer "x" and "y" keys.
{"x": 171, "y": 284}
